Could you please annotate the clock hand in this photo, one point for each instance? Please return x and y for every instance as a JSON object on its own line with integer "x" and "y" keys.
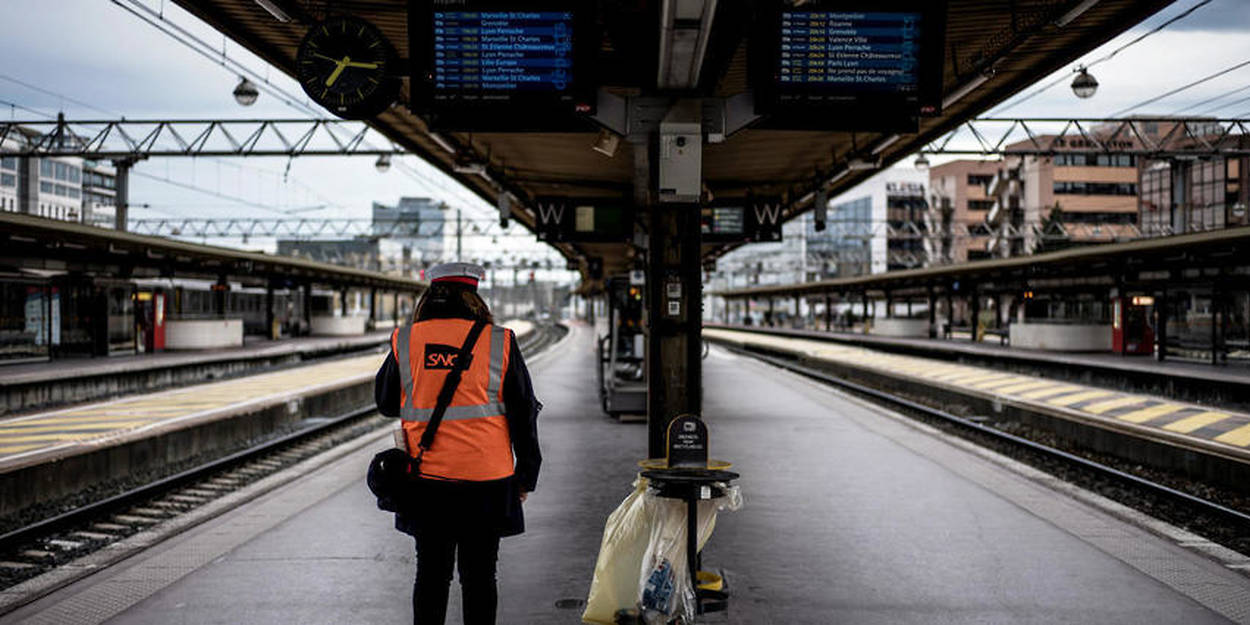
{"x": 337, "y": 71}
{"x": 364, "y": 65}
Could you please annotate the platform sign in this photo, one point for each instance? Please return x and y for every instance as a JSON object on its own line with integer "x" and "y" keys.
{"x": 687, "y": 443}
{"x": 520, "y": 65}
{"x": 849, "y": 64}
{"x": 588, "y": 220}
{"x": 745, "y": 220}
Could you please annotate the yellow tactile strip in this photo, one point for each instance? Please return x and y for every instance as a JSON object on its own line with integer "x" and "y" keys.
{"x": 1231, "y": 428}
{"x": 32, "y": 434}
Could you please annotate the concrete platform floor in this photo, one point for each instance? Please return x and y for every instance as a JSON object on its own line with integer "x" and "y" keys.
{"x": 851, "y": 516}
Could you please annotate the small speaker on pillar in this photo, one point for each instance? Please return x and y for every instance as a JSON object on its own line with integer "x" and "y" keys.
{"x": 505, "y": 209}
{"x": 821, "y": 210}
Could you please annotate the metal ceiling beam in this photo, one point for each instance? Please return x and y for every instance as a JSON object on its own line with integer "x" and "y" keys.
{"x": 1160, "y": 137}
{"x": 117, "y": 139}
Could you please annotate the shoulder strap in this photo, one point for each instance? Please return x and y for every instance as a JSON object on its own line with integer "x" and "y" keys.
{"x": 463, "y": 359}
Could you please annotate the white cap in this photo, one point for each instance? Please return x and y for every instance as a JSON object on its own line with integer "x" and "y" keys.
{"x": 463, "y": 273}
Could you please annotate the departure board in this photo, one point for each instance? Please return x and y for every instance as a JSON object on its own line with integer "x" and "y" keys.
{"x": 502, "y": 52}
{"x": 849, "y": 52}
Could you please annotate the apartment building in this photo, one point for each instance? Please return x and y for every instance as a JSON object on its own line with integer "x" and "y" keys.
{"x": 958, "y": 205}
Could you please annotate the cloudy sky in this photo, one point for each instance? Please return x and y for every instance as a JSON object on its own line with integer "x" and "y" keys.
{"x": 101, "y": 61}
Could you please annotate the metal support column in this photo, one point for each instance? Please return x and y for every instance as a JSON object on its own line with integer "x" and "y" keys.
{"x": 373, "y": 307}
{"x": 307, "y": 308}
{"x": 395, "y": 308}
{"x": 889, "y": 306}
{"x": 270, "y": 327}
{"x": 343, "y": 302}
{"x": 974, "y": 305}
{"x": 950, "y": 312}
{"x": 828, "y": 313}
{"x": 121, "y": 187}
{"x": 1161, "y": 325}
{"x": 933, "y": 333}
{"x": 674, "y": 297}
{"x": 1216, "y": 322}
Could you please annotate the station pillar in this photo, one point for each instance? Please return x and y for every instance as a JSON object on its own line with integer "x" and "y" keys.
{"x": 933, "y": 333}
{"x": 1161, "y": 325}
{"x": 828, "y": 313}
{"x": 674, "y": 302}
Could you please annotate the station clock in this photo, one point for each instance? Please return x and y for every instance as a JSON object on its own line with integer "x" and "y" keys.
{"x": 345, "y": 64}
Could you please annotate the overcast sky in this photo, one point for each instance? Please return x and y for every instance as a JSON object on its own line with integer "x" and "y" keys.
{"x": 94, "y": 52}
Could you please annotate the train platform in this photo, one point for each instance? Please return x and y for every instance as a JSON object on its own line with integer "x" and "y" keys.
{"x": 852, "y": 515}
{"x": 30, "y": 386}
{"x": 1209, "y": 428}
{"x": 1178, "y": 379}
{"x": 51, "y": 435}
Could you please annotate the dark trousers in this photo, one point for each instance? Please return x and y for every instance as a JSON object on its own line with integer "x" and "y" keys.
{"x": 436, "y": 557}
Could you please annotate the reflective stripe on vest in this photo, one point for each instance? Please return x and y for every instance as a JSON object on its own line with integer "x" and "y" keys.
{"x": 473, "y": 443}
{"x": 494, "y": 406}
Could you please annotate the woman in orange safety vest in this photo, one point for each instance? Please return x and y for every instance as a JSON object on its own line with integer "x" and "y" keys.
{"x": 484, "y": 457}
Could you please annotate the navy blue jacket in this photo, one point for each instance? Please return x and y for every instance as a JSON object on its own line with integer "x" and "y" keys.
{"x": 476, "y": 506}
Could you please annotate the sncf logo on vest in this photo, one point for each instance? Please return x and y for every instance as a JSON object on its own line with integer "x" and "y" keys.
{"x": 440, "y": 356}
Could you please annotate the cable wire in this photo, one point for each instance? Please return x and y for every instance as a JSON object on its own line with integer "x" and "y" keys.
{"x": 1181, "y": 88}
{"x": 1108, "y": 57}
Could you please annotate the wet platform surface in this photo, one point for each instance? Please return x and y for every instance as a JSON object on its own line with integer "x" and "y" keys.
{"x": 1217, "y": 427}
{"x": 1236, "y": 373}
{"x": 851, "y": 516}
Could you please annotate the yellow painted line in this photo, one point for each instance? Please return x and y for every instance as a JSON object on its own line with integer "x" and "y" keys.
{"x": 1200, "y": 420}
{"x": 1239, "y": 436}
{"x": 47, "y": 438}
{"x": 959, "y": 373}
{"x": 1013, "y": 380}
{"x": 105, "y": 425}
{"x": 1043, "y": 393}
{"x": 14, "y": 449}
{"x": 1111, "y": 404}
{"x": 64, "y": 420}
{"x": 1026, "y": 386}
{"x": 981, "y": 377}
{"x": 1146, "y": 414}
{"x": 1076, "y": 398}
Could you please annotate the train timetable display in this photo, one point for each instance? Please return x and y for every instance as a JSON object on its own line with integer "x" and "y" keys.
{"x": 502, "y": 52}
{"x": 847, "y": 52}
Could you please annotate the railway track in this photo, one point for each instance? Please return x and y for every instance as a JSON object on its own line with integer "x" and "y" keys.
{"x": 47, "y": 544}
{"x": 1213, "y": 520}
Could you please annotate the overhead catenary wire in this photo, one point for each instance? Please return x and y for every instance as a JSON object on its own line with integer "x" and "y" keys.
{"x": 1182, "y": 88}
{"x": 1064, "y": 77}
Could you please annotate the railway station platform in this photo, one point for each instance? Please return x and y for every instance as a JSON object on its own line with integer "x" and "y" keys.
{"x": 1174, "y": 379}
{"x": 30, "y": 386}
{"x": 852, "y": 515}
{"x": 93, "y": 445}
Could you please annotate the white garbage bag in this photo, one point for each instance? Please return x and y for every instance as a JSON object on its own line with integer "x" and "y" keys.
{"x": 625, "y": 536}
{"x": 664, "y": 589}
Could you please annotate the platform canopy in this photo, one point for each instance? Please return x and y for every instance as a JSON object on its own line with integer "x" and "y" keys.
{"x": 697, "y": 49}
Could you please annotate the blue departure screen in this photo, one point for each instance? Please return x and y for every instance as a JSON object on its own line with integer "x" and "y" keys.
{"x": 850, "y": 51}
{"x": 503, "y": 51}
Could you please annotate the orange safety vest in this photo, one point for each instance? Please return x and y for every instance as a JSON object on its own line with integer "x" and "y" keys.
{"x": 472, "y": 442}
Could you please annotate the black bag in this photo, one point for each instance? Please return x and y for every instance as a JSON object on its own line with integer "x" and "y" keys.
{"x": 393, "y": 473}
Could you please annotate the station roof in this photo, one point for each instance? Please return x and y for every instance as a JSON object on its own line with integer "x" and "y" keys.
{"x": 48, "y": 246}
{"x": 1008, "y": 45}
{"x": 1196, "y": 251}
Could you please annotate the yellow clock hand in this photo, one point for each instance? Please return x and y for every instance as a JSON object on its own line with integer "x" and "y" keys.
{"x": 337, "y": 71}
{"x": 364, "y": 65}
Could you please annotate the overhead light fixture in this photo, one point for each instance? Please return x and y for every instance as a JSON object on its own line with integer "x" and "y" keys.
{"x": 922, "y": 162}
{"x": 383, "y": 164}
{"x": 505, "y": 209}
{"x": 963, "y": 91}
{"x": 1084, "y": 85}
{"x": 859, "y": 164}
{"x": 467, "y": 163}
{"x": 246, "y": 92}
{"x": 887, "y": 142}
{"x": 274, "y": 10}
{"x": 1075, "y": 12}
{"x": 606, "y": 143}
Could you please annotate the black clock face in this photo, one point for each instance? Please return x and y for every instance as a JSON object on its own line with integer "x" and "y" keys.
{"x": 346, "y": 65}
